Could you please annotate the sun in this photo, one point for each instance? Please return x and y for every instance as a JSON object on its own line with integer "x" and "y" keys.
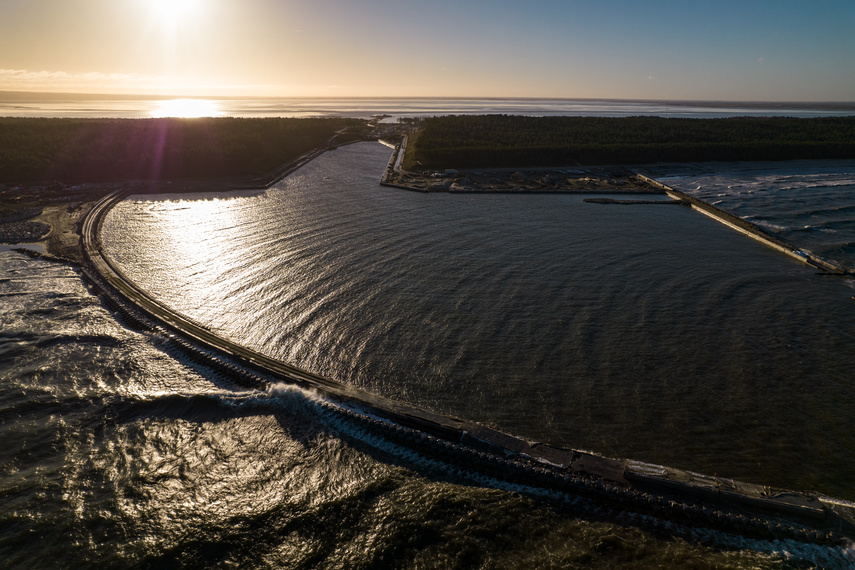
{"x": 174, "y": 11}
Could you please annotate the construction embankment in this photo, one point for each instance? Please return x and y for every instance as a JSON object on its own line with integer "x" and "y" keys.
{"x": 734, "y": 222}
{"x": 666, "y": 498}
{"x": 394, "y": 166}
{"x": 749, "y": 229}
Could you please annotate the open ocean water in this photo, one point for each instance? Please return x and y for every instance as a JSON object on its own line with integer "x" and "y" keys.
{"x": 649, "y": 332}
{"x": 83, "y": 106}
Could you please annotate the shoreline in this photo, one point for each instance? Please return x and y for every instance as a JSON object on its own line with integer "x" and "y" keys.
{"x": 61, "y": 217}
{"x": 615, "y": 179}
{"x": 574, "y": 179}
{"x": 58, "y": 221}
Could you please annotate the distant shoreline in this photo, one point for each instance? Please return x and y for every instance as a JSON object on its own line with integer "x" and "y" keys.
{"x": 86, "y": 105}
{"x": 55, "y": 96}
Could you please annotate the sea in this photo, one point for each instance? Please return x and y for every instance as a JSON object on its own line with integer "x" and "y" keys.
{"x": 643, "y": 331}
{"x": 13, "y": 104}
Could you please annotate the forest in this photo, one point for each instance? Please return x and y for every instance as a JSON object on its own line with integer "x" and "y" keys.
{"x": 107, "y": 150}
{"x": 495, "y": 141}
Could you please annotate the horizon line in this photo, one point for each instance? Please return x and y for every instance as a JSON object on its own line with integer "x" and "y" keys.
{"x": 4, "y": 94}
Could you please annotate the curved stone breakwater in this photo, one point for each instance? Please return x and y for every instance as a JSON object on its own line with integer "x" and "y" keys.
{"x": 646, "y": 494}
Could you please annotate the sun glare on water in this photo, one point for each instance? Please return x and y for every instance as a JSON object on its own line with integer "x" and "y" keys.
{"x": 186, "y": 108}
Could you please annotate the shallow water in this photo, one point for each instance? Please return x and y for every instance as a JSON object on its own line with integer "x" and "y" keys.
{"x": 31, "y": 246}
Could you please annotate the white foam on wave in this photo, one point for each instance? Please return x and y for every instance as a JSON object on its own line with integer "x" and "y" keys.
{"x": 284, "y": 389}
{"x": 765, "y": 224}
{"x": 789, "y": 551}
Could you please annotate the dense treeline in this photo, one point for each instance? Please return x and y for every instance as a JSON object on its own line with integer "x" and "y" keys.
{"x": 94, "y": 150}
{"x": 499, "y": 140}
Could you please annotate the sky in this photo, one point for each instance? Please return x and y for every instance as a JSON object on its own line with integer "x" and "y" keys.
{"x": 746, "y": 50}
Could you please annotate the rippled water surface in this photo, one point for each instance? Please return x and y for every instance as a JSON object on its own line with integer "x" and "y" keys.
{"x": 810, "y": 204}
{"x": 643, "y": 331}
{"x": 119, "y": 454}
{"x": 638, "y": 331}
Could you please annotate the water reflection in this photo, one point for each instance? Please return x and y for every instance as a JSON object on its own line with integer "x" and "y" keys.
{"x": 612, "y": 329}
{"x": 187, "y": 108}
{"x": 115, "y": 454}
{"x": 192, "y": 243}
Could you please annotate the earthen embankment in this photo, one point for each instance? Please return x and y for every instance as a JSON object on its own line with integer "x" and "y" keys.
{"x": 552, "y": 180}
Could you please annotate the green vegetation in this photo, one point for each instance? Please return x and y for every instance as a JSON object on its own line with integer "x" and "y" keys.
{"x": 495, "y": 141}
{"x": 103, "y": 150}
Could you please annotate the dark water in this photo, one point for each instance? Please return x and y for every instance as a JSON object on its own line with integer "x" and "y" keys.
{"x": 810, "y": 204}
{"x": 641, "y": 331}
{"x": 647, "y": 332}
{"x": 116, "y": 454}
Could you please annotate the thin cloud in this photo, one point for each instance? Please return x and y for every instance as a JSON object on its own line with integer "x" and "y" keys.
{"x": 132, "y": 84}
{"x": 26, "y": 80}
